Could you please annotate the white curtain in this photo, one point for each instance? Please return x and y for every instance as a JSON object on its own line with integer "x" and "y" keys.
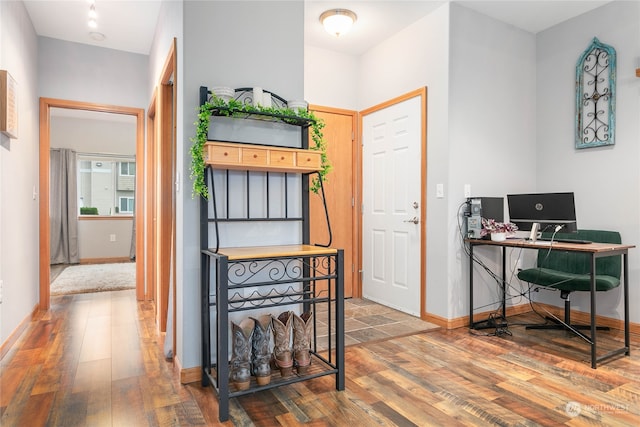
{"x": 63, "y": 207}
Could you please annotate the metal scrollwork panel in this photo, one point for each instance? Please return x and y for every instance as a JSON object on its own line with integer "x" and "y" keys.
{"x": 596, "y": 96}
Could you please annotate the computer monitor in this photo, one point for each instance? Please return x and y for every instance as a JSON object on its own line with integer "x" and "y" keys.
{"x": 492, "y": 208}
{"x": 548, "y": 209}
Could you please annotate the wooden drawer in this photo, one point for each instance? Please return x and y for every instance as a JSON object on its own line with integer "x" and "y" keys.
{"x": 254, "y": 157}
{"x": 281, "y": 158}
{"x": 309, "y": 160}
{"x": 223, "y": 154}
{"x": 227, "y": 155}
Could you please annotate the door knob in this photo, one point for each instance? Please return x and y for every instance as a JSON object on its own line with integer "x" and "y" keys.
{"x": 414, "y": 220}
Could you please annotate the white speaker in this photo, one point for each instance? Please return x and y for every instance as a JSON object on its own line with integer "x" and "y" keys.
{"x": 535, "y": 228}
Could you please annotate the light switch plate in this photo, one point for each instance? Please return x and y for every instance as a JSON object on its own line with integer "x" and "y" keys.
{"x": 439, "y": 191}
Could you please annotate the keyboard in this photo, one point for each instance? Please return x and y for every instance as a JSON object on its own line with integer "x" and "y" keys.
{"x": 576, "y": 241}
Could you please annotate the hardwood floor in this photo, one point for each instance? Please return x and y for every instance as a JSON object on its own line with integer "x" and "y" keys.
{"x": 95, "y": 360}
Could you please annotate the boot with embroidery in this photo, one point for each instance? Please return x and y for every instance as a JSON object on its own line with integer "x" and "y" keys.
{"x": 302, "y": 331}
{"x": 261, "y": 355}
{"x": 282, "y": 351}
{"x": 241, "y": 353}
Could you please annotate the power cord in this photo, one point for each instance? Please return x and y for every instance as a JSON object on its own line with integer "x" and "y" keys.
{"x": 502, "y": 327}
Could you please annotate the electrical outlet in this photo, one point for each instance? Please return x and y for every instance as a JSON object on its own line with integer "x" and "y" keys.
{"x": 112, "y": 237}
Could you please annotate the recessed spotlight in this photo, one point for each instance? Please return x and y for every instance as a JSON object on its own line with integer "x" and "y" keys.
{"x": 93, "y": 23}
{"x": 97, "y": 36}
{"x": 92, "y": 12}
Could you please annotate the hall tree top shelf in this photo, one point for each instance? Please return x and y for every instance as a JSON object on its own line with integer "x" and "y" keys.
{"x": 244, "y": 96}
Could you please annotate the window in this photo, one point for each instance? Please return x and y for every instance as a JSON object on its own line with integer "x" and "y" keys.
{"x": 127, "y": 169}
{"x": 126, "y": 204}
{"x": 107, "y": 183}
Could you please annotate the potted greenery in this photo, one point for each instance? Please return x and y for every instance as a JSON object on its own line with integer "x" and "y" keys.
{"x": 234, "y": 108}
{"x": 497, "y": 230}
{"x": 88, "y": 210}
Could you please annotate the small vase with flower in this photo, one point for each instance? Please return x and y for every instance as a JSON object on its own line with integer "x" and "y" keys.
{"x": 497, "y": 230}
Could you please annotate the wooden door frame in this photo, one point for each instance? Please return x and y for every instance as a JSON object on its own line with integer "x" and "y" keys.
{"x": 422, "y": 93}
{"x": 161, "y": 176}
{"x": 356, "y": 187}
{"x": 46, "y": 104}
{"x": 150, "y": 271}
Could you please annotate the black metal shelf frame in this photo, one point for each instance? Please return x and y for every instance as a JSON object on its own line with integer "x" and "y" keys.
{"x": 328, "y": 358}
{"x": 314, "y": 282}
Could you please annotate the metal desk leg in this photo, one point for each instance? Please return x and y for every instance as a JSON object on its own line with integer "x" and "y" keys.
{"x": 504, "y": 283}
{"x": 470, "y": 285}
{"x": 627, "y": 342}
{"x": 593, "y": 311}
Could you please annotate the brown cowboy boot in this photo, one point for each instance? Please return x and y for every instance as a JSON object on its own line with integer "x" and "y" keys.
{"x": 302, "y": 330}
{"x": 261, "y": 356}
{"x": 242, "y": 337}
{"x": 282, "y": 348}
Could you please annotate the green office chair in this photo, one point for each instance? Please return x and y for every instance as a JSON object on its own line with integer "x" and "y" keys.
{"x": 570, "y": 272}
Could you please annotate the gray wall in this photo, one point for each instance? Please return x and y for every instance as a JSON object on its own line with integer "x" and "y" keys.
{"x": 19, "y": 247}
{"x": 492, "y": 134}
{"x": 86, "y": 73}
{"x": 260, "y": 44}
{"x": 605, "y": 180}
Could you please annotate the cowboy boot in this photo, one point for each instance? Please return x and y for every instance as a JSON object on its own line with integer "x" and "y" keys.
{"x": 302, "y": 329}
{"x": 261, "y": 356}
{"x": 242, "y": 337}
{"x": 282, "y": 348}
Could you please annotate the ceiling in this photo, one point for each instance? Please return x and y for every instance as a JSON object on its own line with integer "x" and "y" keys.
{"x": 129, "y": 25}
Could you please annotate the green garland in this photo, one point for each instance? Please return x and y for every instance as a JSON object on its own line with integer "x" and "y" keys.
{"x": 234, "y": 108}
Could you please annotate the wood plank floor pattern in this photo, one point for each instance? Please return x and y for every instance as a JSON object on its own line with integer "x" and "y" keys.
{"x": 96, "y": 360}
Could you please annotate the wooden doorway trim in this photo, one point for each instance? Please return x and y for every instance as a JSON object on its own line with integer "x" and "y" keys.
{"x": 161, "y": 195}
{"x": 46, "y": 104}
{"x": 149, "y": 211}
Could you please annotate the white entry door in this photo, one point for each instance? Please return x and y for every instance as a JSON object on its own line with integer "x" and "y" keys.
{"x": 392, "y": 164}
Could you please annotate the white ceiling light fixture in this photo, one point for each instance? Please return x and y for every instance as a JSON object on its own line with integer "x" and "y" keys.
{"x": 338, "y": 21}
